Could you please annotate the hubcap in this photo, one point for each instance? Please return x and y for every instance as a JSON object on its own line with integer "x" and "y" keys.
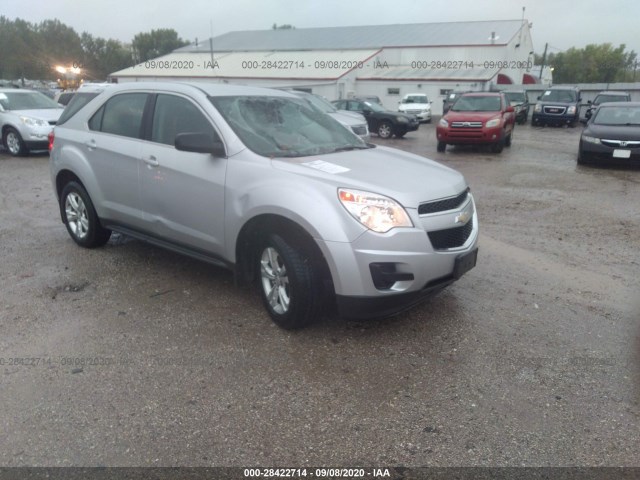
{"x": 77, "y": 217}
{"x": 13, "y": 143}
{"x": 275, "y": 281}
{"x": 384, "y": 131}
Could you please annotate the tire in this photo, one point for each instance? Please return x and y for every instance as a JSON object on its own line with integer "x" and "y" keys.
{"x": 385, "y": 130}
{"x": 80, "y": 217}
{"x": 441, "y": 146}
{"x": 288, "y": 282}
{"x": 498, "y": 146}
{"x": 13, "y": 142}
{"x": 507, "y": 140}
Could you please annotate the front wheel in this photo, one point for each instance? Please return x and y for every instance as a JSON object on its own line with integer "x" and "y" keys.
{"x": 81, "y": 218}
{"x": 507, "y": 142}
{"x": 13, "y": 143}
{"x": 498, "y": 146}
{"x": 385, "y": 130}
{"x": 289, "y": 283}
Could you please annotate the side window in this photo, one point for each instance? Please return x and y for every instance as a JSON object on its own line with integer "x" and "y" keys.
{"x": 340, "y": 105}
{"x": 174, "y": 115}
{"x": 121, "y": 115}
{"x": 354, "y": 106}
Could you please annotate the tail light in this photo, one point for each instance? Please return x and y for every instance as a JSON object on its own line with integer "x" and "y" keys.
{"x": 51, "y": 139}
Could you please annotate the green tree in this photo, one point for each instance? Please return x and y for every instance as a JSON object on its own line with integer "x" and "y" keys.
{"x": 148, "y": 45}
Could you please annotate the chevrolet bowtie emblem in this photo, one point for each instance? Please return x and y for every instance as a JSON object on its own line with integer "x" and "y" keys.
{"x": 463, "y": 218}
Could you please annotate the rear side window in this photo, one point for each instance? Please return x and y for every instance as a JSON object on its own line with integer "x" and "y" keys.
{"x": 77, "y": 101}
{"x": 121, "y": 115}
{"x": 174, "y": 115}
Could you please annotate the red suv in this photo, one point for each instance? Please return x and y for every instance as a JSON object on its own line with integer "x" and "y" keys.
{"x": 477, "y": 118}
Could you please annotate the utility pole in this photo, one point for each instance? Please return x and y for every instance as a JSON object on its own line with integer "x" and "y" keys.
{"x": 544, "y": 58}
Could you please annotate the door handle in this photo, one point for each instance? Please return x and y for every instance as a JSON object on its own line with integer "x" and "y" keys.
{"x": 91, "y": 144}
{"x": 151, "y": 160}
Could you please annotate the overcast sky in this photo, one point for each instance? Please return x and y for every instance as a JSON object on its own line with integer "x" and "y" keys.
{"x": 561, "y": 23}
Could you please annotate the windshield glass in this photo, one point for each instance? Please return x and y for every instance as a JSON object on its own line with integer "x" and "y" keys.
{"x": 610, "y": 98}
{"x": 320, "y": 103}
{"x": 565, "y": 96}
{"x": 519, "y": 97}
{"x": 284, "y": 127}
{"x": 25, "y": 100}
{"x": 78, "y": 101}
{"x": 416, "y": 99}
{"x": 477, "y": 104}
{"x": 617, "y": 116}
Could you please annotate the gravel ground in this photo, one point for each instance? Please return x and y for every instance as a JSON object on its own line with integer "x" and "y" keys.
{"x": 129, "y": 355}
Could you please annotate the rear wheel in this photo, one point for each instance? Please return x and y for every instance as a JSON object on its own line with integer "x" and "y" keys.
{"x": 289, "y": 285}
{"x": 13, "y": 142}
{"x": 80, "y": 217}
{"x": 442, "y": 146}
{"x": 385, "y": 130}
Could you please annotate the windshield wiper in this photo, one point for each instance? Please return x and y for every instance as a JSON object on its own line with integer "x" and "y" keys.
{"x": 346, "y": 148}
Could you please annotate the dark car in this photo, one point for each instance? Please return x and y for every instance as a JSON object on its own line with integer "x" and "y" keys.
{"x": 520, "y": 102}
{"x": 612, "y": 135}
{"x": 604, "y": 97}
{"x": 369, "y": 98}
{"x": 449, "y": 100}
{"x": 381, "y": 121}
{"x": 557, "y": 106}
{"x": 477, "y": 119}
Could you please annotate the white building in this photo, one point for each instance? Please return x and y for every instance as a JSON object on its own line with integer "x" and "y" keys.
{"x": 385, "y": 60}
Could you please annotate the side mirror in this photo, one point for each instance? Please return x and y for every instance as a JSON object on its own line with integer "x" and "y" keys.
{"x": 199, "y": 143}
{"x": 510, "y": 109}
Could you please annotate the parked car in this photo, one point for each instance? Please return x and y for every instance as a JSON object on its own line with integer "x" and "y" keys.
{"x": 258, "y": 181}
{"x": 449, "y": 100}
{"x": 369, "y": 98}
{"x": 557, "y": 106}
{"x": 519, "y": 100}
{"x": 26, "y": 119}
{"x": 352, "y": 120}
{"x": 476, "y": 119}
{"x": 603, "y": 97}
{"x": 383, "y": 122}
{"x": 417, "y": 104}
{"x": 612, "y": 135}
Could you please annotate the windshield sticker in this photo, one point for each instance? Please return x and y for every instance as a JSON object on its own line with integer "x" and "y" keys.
{"x": 326, "y": 166}
{"x": 548, "y": 92}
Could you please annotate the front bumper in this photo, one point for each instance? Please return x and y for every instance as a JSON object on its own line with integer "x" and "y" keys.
{"x": 546, "y": 119}
{"x": 35, "y": 138}
{"x": 603, "y": 155}
{"x": 419, "y": 269}
{"x": 422, "y": 116}
{"x": 469, "y": 136}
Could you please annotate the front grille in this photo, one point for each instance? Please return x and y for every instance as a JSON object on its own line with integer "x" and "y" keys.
{"x": 413, "y": 111}
{"x": 359, "y": 129}
{"x": 620, "y": 143}
{"x": 443, "y": 205}
{"x": 451, "y": 237}
{"x": 555, "y": 110}
{"x": 466, "y": 124}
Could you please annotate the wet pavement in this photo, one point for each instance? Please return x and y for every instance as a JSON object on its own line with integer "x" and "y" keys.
{"x": 129, "y": 355}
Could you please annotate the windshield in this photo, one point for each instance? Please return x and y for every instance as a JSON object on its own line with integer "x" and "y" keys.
{"x": 519, "y": 97}
{"x": 320, "y": 103}
{"x": 415, "y": 99}
{"x": 565, "y": 96}
{"x": 610, "y": 98}
{"x": 284, "y": 127}
{"x": 26, "y": 100}
{"x": 477, "y": 104}
{"x": 617, "y": 116}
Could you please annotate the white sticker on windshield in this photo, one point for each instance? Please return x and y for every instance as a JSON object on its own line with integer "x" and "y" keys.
{"x": 3, "y": 96}
{"x": 548, "y": 92}
{"x": 326, "y": 166}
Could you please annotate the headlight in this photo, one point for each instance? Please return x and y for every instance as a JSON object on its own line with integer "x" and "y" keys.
{"x": 374, "y": 211}
{"x": 589, "y": 139}
{"x": 443, "y": 123}
{"x": 34, "y": 122}
{"x": 571, "y": 110}
{"x": 402, "y": 119}
{"x": 494, "y": 122}
{"x": 537, "y": 108}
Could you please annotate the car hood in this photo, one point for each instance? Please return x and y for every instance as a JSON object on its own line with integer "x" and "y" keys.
{"x": 408, "y": 178}
{"x": 613, "y": 132}
{"x": 48, "y": 114}
{"x": 414, "y": 106}
{"x": 470, "y": 116}
{"x": 347, "y": 119}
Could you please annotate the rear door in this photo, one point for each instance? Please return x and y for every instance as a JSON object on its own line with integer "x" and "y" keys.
{"x": 182, "y": 192}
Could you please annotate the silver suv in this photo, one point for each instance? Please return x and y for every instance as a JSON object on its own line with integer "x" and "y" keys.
{"x": 26, "y": 119}
{"x": 263, "y": 183}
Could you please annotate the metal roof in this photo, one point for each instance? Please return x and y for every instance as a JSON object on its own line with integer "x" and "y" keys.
{"x": 364, "y": 37}
{"x": 317, "y": 65}
{"x": 407, "y": 73}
